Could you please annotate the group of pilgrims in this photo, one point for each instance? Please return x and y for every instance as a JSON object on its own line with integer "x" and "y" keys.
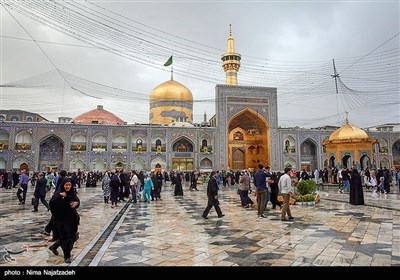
{"x": 119, "y": 186}
{"x": 144, "y": 186}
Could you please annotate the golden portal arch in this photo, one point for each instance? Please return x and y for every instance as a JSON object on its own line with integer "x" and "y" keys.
{"x": 248, "y": 140}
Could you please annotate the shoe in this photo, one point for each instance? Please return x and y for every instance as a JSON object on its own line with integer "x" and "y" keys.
{"x": 34, "y": 210}
{"x": 284, "y": 220}
{"x": 221, "y": 215}
{"x": 53, "y": 250}
{"x": 205, "y": 217}
{"x": 45, "y": 233}
{"x": 291, "y": 218}
{"x": 262, "y": 216}
{"x": 67, "y": 260}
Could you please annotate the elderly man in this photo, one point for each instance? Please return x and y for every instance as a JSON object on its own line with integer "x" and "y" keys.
{"x": 286, "y": 189}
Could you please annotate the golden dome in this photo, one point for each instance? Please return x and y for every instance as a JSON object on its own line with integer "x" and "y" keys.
{"x": 98, "y": 116}
{"x": 171, "y": 90}
{"x": 348, "y": 132}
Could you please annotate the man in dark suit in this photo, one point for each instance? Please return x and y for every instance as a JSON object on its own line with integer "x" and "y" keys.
{"x": 40, "y": 192}
{"x": 212, "y": 193}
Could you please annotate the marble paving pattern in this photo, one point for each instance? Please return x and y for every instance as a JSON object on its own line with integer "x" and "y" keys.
{"x": 171, "y": 232}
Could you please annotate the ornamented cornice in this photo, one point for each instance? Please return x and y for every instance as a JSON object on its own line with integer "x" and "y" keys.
{"x": 6, "y": 128}
{"x": 139, "y": 132}
{"x": 178, "y": 134}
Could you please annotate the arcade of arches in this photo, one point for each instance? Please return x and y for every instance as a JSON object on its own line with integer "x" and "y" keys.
{"x": 248, "y": 141}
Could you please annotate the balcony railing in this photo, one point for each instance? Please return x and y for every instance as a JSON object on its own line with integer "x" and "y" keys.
{"x": 290, "y": 149}
{"x": 78, "y": 147}
{"x": 119, "y": 146}
{"x": 206, "y": 149}
{"x": 383, "y": 150}
{"x": 3, "y": 146}
{"x": 139, "y": 149}
{"x": 99, "y": 147}
{"x": 23, "y": 146}
{"x": 158, "y": 149}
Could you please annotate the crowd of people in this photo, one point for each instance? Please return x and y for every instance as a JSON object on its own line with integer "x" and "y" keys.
{"x": 119, "y": 185}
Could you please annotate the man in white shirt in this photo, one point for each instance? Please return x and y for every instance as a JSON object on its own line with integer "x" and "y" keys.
{"x": 134, "y": 187}
{"x": 286, "y": 189}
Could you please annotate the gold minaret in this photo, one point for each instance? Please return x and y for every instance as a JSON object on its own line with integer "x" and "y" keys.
{"x": 231, "y": 61}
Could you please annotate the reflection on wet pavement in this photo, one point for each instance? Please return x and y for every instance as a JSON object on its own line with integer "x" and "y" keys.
{"x": 171, "y": 232}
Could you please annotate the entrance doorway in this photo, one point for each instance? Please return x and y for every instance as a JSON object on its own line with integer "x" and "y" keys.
{"x": 365, "y": 162}
{"x": 308, "y": 155}
{"x": 332, "y": 161}
{"x": 51, "y": 152}
{"x": 182, "y": 164}
{"x": 248, "y": 140}
{"x": 183, "y": 158}
{"x": 238, "y": 159}
{"x": 346, "y": 161}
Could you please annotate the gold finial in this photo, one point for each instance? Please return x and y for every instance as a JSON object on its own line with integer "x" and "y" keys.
{"x": 231, "y": 44}
{"x": 347, "y": 117}
{"x": 231, "y": 61}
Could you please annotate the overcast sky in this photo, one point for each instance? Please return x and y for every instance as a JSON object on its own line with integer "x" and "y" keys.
{"x": 288, "y": 45}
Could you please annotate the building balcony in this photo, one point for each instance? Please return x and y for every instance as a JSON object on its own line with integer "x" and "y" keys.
{"x": 206, "y": 149}
{"x": 23, "y": 146}
{"x": 290, "y": 149}
{"x": 78, "y": 147}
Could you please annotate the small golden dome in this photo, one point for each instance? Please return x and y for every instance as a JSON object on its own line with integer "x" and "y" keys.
{"x": 348, "y": 132}
{"x": 98, "y": 116}
{"x": 171, "y": 90}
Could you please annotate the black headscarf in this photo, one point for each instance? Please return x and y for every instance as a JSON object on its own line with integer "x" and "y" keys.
{"x": 56, "y": 205}
{"x": 72, "y": 190}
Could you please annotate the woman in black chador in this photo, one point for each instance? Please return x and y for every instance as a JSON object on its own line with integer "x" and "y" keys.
{"x": 178, "y": 191}
{"x": 356, "y": 191}
{"x": 63, "y": 206}
{"x": 275, "y": 191}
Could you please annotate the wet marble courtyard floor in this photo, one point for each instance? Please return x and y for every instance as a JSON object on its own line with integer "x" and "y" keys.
{"x": 171, "y": 232}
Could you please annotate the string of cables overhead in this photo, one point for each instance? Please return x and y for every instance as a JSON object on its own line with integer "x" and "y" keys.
{"x": 52, "y": 83}
{"x": 367, "y": 83}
